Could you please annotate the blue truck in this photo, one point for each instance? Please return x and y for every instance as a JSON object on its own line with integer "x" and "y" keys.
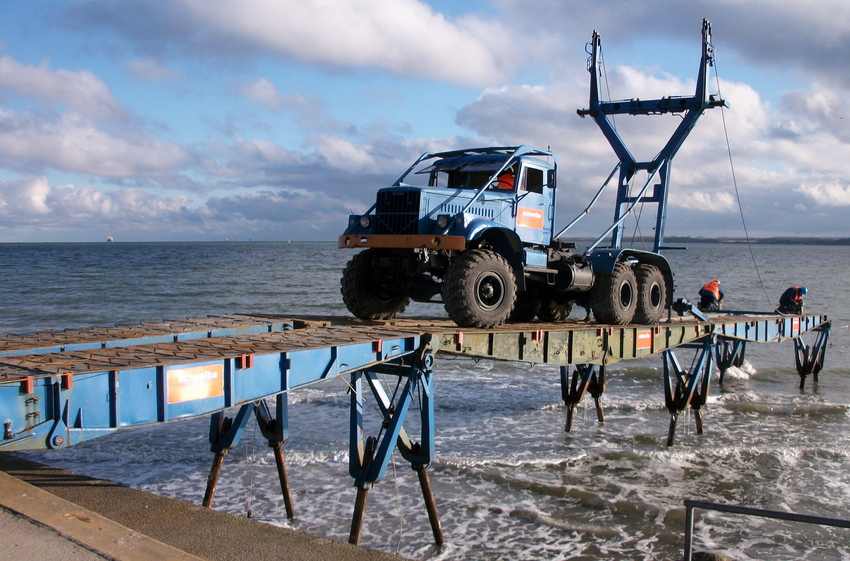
{"x": 474, "y": 229}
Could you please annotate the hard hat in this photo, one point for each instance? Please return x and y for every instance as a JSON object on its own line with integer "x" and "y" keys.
{"x": 804, "y": 291}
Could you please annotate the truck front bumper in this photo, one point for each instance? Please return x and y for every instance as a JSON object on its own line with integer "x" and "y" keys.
{"x": 415, "y": 241}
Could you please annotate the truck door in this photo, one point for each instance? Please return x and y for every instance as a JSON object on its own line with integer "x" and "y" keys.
{"x": 533, "y": 202}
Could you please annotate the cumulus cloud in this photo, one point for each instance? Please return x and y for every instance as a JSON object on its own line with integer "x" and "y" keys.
{"x": 264, "y": 92}
{"x": 312, "y": 209}
{"x": 706, "y": 201}
{"x": 150, "y": 69}
{"x": 71, "y": 142}
{"x": 404, "y": 37}
{"x": 343, "y": 154}
{"x": 34, "y": 202}
{"x": 307, "y": 109}
{"x": 788, "y": 35}
{"x": 831, "y": 192}
{"x": 81, "y": 91}
{"x": 80, "y": 127}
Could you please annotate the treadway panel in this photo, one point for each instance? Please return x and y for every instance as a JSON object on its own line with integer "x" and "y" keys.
{"x": 219, "y": 337}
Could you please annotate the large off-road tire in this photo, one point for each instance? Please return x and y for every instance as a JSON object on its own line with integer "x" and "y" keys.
{"x": 479, "y": 289}
{"x": 651, "y": 294}
{"x": 555, "y": 308}
{"x": 614, "y": 296}
{"x": 525, "y": 308}
{"x": 366, "y": 294}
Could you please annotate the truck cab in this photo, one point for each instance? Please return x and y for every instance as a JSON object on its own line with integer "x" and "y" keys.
{"x": 461, "y": 194}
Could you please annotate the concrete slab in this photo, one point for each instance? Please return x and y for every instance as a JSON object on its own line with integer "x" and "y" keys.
{"x": 24, "y": 539}
{"x": 187, "y": 528}
{"x": 75, "y": 525}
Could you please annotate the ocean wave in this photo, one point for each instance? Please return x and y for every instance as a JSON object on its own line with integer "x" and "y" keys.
{"x": 787, "y": 409}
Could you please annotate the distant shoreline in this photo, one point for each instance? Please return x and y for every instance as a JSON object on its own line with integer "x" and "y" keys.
{"x": 778, "y": 240}
{"x": 768, "y": 241}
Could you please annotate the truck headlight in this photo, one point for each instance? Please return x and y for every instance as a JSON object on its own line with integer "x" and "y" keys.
{"x": 443, "y": 221}
{"x": 365, "y": 222}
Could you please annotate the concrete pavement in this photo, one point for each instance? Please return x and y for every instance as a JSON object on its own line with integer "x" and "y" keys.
{"x": 48, "y": 514}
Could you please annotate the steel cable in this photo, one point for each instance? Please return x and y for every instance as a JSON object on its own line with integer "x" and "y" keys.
{"x": 737, "y": 193}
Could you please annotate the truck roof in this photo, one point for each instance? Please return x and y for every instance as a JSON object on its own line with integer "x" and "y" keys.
{"x": 495, "y": 151}
{"x": 480, "y": 157}
{"x": 484, "y": 159}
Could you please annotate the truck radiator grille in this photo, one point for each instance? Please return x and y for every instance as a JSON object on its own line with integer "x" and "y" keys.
{"x": 397, "y": 212}
{"x": 452, "y": 209}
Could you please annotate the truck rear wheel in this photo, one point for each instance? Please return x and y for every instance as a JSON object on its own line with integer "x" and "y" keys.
{"x": 526, "y": 307}
{"x": 479, "y": 289}
{"x": 614, "y": 296}
{"x": 555, "y": 308}
{"x": 651, "y": 294}
{"x": 365, "y": 293}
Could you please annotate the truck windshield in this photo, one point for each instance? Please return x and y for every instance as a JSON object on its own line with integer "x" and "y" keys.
{"x": 461, "y": 175}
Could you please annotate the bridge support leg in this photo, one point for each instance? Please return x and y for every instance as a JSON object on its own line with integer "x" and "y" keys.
{"x": 369, "y": 457}
{"x": 586, "y": 377}
{"x": 359, "y": 514}
{"x": 430, "y": 503}
{"x": 275, "y": 428}
{"x": 809, "y": 359}
{"x": 212, "y": 479}
{"x": 224, "y": 435}
{"x": 729, "y": 353}
{"x": 687, "y": 387}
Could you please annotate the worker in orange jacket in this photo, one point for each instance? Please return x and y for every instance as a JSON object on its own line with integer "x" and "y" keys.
{"x": 711, "y": 296}
{"x": 791, "y": 301}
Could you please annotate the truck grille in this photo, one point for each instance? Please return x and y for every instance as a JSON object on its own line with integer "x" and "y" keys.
{"x": 397, "y": 212}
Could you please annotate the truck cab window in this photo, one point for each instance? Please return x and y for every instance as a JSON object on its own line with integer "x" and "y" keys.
{"x": 532, "y": 180}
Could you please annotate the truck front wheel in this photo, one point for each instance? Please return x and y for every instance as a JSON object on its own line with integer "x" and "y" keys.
{"x": 614, "y": 296}
{"x": 366, "y": 292}
{"x": 479, "y": 289}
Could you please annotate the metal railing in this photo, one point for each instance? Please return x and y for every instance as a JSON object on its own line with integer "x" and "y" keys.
{"x": 776, "y": 514}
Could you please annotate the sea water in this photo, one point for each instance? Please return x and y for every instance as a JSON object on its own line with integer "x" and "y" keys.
{"x": 508, "y": 481}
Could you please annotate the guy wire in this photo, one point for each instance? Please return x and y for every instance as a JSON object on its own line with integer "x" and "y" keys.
{"x": 735, "y": 184}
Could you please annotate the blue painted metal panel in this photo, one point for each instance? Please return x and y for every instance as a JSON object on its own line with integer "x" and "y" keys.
{"x": 35, "y": 411}
{"x": 308, "y": 366}
{"x": 13, "y": 410}
{"x": 89, "y": 401}
{"x": 138, "y": 394}
{"x": 31, "y": 351}
{"x": 151, "y": 340}
{"x": 83, "y": 346}
{"x": 536, "y": 258}
{"x": 264, "y": 378}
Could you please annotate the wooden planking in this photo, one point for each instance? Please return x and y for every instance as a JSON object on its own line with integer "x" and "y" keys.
{"x": 217, "y": 337}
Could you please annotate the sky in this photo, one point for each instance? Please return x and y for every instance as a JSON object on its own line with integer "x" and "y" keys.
{"x": 202, "y": 120}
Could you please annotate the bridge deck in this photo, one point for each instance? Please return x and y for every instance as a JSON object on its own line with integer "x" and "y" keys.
{"x": 59, "y": 383}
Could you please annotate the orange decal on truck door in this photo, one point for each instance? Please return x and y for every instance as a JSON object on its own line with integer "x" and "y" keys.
{"x": 530, "y": 218}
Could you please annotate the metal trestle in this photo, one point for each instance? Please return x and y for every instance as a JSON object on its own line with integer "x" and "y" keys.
{"x": 687, "y": 387}
{"x": 809, "y": 359}
{"x": 370, "y": 456}
{"x": 586, "y": 377}
{"x": 225, "y": 433}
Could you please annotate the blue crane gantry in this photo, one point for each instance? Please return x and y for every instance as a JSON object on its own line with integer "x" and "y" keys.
{"x": 59, "y": 388}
